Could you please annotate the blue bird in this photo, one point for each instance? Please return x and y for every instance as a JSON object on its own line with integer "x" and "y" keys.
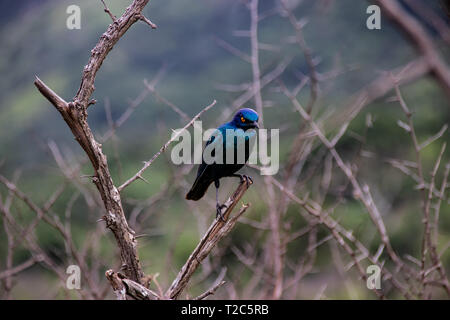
{"x": 207, "y": 173}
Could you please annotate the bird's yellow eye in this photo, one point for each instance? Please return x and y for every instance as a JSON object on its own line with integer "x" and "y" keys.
{"x": 242, "y": 119}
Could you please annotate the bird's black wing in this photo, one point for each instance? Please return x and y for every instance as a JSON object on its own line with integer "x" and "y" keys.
{"x": 203, "y": 165}
{"x": 204, "y": 177}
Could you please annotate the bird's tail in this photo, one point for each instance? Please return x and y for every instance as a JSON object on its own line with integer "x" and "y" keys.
{"x": 198, "y": 190}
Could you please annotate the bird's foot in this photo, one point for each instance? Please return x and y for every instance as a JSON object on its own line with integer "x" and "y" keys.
{"x": 219, "y": 214}
{"x": 243, "y": 177}
{"x": 247, "y": 179}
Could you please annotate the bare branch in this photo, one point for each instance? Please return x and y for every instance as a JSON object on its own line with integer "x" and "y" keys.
{"x": 210, "y": 291}
{"x": 107, "y": 41}
{"x": 113, "y": 17}
{"x": 147, "y": 21}
{"x": 420, "y": 39}
{"x": 123, "y": 286}
{"x": 75, "y": 115}
{"x": 218, "y": 230}
{"x": 19, "y": 268}
{"x": 255, "y": 60}
{"x": 174, "y": 137}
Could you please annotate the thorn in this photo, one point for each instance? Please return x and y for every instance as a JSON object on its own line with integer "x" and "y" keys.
{"x": 100, "y": 220}
{"x": 93, "y": 101}
{"x": 147, "y": 21}
{"x": 106, "y": 9}
{"x": 87, "y": 176}
{"x": 143, "y": 179}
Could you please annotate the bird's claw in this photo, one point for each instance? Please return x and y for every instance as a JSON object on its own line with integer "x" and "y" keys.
{"x": 247, "y": 179}
{"x": 219, "y": 214}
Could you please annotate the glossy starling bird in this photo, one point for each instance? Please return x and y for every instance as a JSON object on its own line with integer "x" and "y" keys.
{"x": 244, "y": 119}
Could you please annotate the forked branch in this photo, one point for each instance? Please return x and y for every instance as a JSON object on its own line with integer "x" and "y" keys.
{"x": 74, "y": 114}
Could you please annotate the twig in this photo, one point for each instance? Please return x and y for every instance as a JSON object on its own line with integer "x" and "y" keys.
{"x": 147, "y": 164}
{"x": 249, "y": 94}
{"x": 151, "y": 88}
{"x": 210, "y": 291}
{"x": 147, "y": 21}
{"x": 238, "y": 53}
{"x": 113, "y": 17}
{"x": 420, "y": 39}
{"x": 255, "y": 60}
{"x": 19, "y": 268}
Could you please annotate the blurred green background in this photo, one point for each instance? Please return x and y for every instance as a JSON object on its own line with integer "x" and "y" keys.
{"x": 35, "y": 41}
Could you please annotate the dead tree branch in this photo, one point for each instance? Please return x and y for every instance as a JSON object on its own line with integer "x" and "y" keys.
{"x": 123, "y": 286}
{"x": 147, "y": 164}
{"x": 420, "y": 39}
{"x": 217, "y": 231}
{"x": 210, "y": 291}
{"x": 74, "y": 114}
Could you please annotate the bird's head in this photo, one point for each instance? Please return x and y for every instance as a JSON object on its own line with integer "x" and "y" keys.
{"x": 246, "y": 118}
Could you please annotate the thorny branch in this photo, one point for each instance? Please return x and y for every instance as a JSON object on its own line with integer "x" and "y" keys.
{"x": 215, "y": 233}
{"x": 75, "y": 115}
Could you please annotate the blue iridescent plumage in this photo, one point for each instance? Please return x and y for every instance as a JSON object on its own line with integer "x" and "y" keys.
{"x": 207, "y": 173}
